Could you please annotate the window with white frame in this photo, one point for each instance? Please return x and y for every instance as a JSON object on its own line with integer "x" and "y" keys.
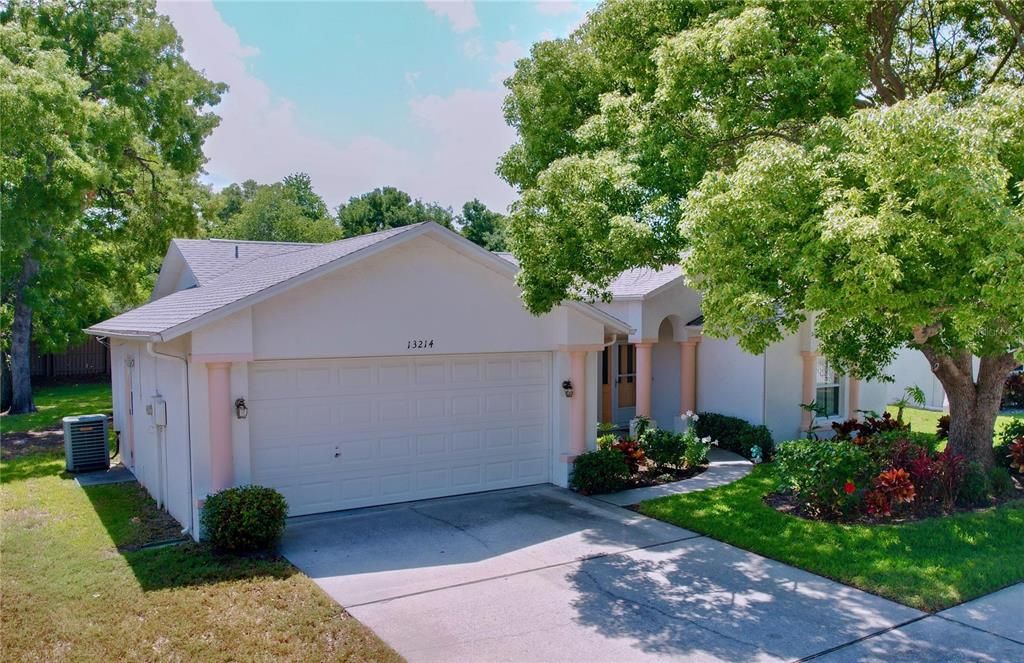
{"x": 826, "y": 394}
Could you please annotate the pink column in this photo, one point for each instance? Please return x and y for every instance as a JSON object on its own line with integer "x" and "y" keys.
{"x": 643, "y": 379}
{"x": 219, "y": 398}
{"x": 688, "y": 375}
{"x": 809, "y": 384}
{"x": 853, "y": 398}
{"x": 578, "y": 402}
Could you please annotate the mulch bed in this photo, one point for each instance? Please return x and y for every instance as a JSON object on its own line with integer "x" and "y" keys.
{"x": 14, "y": 445}
{"x": 788, "y": 504}
{"x": 654, "y": 478}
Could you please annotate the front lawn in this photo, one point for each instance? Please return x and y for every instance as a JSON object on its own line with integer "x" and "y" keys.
{"x": 76, "y": 585}
{"x": 57, "y": 402}
{"x": 929, "y": 564}
{"x": 925, "y": 421}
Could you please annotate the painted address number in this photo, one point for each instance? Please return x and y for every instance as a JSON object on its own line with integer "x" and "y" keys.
{"x": 420, "y": 344}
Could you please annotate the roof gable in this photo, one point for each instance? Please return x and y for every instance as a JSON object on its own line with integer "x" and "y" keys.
{"x": 262, "y": 277}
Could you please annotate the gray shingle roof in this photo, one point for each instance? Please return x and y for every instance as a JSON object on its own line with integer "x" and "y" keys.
{"x": 632, "y": 283}
{"x": 257, "y": 274}
{"x": 210, "y": 258}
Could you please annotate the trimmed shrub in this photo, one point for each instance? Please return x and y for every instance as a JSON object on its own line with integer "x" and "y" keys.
{"x": 244, "y": 519}
{"x": 663, "y": 447}
{"x": 601, "y": 471}
{"x": 1000, "y": 482}
{"x": 735, "y": 434}
{"x": 826, "y": 474}
{"x": 974, "y": 488}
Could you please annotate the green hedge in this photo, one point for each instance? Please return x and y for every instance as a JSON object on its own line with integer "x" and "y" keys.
{"x": 735, "y": 434}
{"x": 244, "y": 519}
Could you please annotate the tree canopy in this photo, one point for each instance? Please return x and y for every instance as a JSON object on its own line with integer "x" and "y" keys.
{"x": 482, "y": 226}
{"x": 620, "y": 121}
{"x": 385, "y": 208}
{"x": 286, "y": 211}
{"x": 857, "y": 161}
{"x": 104, "y": 122}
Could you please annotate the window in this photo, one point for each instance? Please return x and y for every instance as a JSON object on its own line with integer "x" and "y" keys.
{"x": 627, "y": 375}
{"x": 826, "y": 394}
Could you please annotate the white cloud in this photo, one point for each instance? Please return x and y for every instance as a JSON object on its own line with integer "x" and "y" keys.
{"x": 505, "y": 55}
{"x": 260, "y": 137}
{"x": 411, "y": 77}
{"x": 460, "y": 13}
{"x": 556, "y": 7}
{"x": 473, "y": 47}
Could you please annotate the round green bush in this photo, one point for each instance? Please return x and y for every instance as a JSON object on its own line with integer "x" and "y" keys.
{"x": 244, "y": 519}
{"x": 663, "y": 447}
{"x": 601, "y": 471}
{"x": 818, "y": 472}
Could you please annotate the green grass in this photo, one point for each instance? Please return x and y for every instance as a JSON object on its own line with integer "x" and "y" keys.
{"x": 925, "y": 421}
{"x": 55, "y": 403}
{"x": 929, "y": 564}
{"x": 76, "y": 586}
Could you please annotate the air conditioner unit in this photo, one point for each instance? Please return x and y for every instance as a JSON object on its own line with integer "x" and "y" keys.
{"x": 85, "y": 443}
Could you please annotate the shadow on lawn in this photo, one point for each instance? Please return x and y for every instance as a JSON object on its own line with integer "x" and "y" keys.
{"x": 35, "y": 465}
{"x": 134, "y": 522}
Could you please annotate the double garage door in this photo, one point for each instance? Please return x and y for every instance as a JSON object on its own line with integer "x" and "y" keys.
{"x": 347, "y": 433}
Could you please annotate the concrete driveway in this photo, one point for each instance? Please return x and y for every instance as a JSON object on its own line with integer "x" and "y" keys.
{"x": 541, "y": 574}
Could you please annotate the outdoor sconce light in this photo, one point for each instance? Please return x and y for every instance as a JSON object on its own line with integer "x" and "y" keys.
{"x": 567, "y": 388}
{"x": 241, "y": 410}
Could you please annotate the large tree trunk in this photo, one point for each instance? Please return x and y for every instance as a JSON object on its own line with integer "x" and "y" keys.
{"x": 973, "y": 405}
{"x": 21, "y": 343}
{"x": 5, "y": 380}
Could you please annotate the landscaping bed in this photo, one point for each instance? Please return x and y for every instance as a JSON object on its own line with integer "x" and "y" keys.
{"x": 882, "y": 508}
{"x": 929, "y": 564}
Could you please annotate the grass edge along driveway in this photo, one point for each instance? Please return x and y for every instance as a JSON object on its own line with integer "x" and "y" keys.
{"x": 75, "y": 584}
{"x": 929, "y": 564}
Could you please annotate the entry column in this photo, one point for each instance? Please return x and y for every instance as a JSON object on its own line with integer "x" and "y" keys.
{"x": 687, "y": 379}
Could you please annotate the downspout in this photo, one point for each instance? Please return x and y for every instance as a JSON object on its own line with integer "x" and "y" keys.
{"x": 188, "y": 433}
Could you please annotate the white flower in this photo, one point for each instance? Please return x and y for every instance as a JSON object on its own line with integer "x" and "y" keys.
{"x": 694, "y": 418}
{"x": 689, "y": 413}
{"x": 714, "y": 442}
{"x": 706, "y": 440}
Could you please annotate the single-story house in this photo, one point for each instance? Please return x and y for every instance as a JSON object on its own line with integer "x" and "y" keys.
{"x": 401, "y": 365}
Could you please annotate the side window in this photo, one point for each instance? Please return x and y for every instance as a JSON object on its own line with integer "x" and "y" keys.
{"x": 827, "y": 389}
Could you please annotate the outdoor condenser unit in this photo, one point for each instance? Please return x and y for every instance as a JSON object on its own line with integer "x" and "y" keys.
{"x": 85, "y": 443}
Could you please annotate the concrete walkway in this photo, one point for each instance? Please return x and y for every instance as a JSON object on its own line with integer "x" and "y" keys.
{"x": 542, "y": 574}
{"x": 724, "y": 467}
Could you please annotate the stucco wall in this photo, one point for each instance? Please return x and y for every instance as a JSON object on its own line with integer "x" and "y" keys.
{"x": 784, "y": 374}
{"x": 730, "y": 381}
{"x": 911, "y": 368}
{"x": 665, "y": 378}
{"x": 422, "y": 290}
{"x": 161, "y": 458}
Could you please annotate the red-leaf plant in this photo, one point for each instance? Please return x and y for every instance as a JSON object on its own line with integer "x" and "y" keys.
{"x": 1016, "y": 454}
{"x": 892, "y": 486}
{"x": 631, "y": 451}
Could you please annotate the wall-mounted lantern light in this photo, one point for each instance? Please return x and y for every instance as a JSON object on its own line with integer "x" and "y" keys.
{"x": 241, "y": 410}
{"x": 567, "y": 388}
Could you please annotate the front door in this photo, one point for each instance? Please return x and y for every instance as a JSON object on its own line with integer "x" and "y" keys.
{"x": 627, "y": 375}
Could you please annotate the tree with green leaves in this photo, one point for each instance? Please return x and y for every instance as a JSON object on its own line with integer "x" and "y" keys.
{"x": 274, "y": 215}
{"x": 385, "y": 208}
{"x": 859, "y": 162}
{"x": 104, "y": 123}
{"x": 299, "y": 188}
{"x": 482, "y": 226}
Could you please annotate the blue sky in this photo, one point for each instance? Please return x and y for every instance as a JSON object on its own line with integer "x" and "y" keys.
{"x": 366, "y": 94}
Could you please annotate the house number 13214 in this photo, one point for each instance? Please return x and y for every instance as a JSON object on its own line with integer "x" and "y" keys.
{"x": 421, "y": 343}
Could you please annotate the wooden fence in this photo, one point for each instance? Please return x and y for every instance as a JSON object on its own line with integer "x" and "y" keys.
{"x": 91, "y": 358}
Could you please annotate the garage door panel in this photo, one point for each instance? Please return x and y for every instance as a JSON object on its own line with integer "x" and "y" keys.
{"x": 336, "y": 434}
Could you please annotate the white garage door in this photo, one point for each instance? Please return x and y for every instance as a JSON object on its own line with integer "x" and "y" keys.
{"x": 346, "y": 433}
